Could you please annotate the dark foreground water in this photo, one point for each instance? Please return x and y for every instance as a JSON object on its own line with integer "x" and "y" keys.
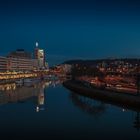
{"x": 53, "y": 112}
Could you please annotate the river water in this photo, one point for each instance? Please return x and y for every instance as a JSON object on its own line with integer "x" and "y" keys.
{"x": 49, "y": 110}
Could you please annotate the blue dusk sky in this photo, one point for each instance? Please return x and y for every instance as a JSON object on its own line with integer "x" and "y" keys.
{"x": 71, "y": 29}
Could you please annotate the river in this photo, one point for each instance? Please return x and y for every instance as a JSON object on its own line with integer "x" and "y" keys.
{"x": 49, "y": 110}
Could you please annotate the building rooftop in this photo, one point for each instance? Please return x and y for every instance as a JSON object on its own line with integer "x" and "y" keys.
{"x": 20, "y": 53}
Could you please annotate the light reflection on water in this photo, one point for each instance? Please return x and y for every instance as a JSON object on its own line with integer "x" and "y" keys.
{"x": 97, "y": 109}
{"x": 11, "y": 93}
{"x": 47, "y": 106}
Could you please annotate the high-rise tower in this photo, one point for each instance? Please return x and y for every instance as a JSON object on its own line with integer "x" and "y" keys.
{"x": 39, "y": 54}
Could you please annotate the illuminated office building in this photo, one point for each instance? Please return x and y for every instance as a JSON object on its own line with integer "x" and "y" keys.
{"x": 20, "y": 60}
{"x": 3, "y": 63}
{"x": 20, "y": 53}
{"x": 40, "y": 56}
{"x": 21, "y": 64}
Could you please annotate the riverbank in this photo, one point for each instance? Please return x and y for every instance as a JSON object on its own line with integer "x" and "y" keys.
{"x": 10, "y": 77}
{"x": 121, "y": 99}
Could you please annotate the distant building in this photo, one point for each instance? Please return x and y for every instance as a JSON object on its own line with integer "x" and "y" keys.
{"x": 39, "y": 54}
{"x": 67, "y": 68}
{"x": 20, "y": 53}
{"x": 21, "y": 64}
{"x": 20, "y": 60}
{"x": 3, "y": 63}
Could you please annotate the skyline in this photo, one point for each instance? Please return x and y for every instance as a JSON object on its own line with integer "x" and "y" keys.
{"x": 71, "y": 30}
{"x": 70, "y": 69}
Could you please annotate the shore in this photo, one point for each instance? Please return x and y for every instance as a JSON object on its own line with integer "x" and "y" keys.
{"x": 120, "y": 99}
{"x": 10, "y": 77}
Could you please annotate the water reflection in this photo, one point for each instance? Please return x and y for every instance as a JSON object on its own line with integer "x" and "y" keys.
{"x": 40, "y": 103}
{"x": 11, "y": 93}
{"x": 4, "y": 87}
{"x": 137, "y": 121}
{"x": 88, "y": 105}
{"x": 120, "y": 117}
{"x": 98, "y": 108}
